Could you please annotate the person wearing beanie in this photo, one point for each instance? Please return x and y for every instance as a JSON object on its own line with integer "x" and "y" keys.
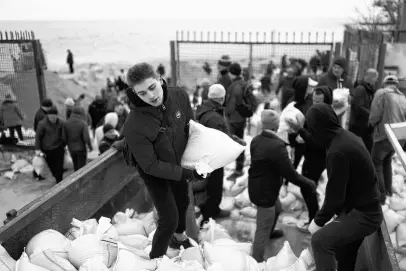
{"x": 388, "y": 107}
{"x": 76, "y": 134}
{"x": 270, "y": 163}
{"x": 224, "y": 77}
{"x": 157, "y": 150}
{"x": 110, "y": 136}
{"x": 210, "y": 114}
{"x": 236, "y": 122}
{"x": 12, "y": 117}
{"x": 49, "y": 140}
{"x": 69, "y": 104}
{"x": 351, "y": 193}
{"x": 42, "y": 111}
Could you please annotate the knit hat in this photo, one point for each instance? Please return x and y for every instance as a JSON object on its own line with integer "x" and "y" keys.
{"x": 390, "y": 79}
{"x": 340, "y": 61}
{"x": 53, "y": 111}
{"x": 235, "y": 69}
{"x": 69, "y": 102}
{"x": 224, "y": 61}
{"x": 216, "y": 91}
{"x": 47, "y": 103}
{"x": 270, "y": 119}
{"x": 107, "y": 127}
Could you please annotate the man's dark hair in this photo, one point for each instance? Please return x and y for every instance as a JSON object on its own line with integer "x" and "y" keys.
{"x": 318, "y": 91}
{"x": 139, "y": 72}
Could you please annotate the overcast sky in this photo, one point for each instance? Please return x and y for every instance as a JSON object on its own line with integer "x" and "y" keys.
{"x": 140, "y": 9}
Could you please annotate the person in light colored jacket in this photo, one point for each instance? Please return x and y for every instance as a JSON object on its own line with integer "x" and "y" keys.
{"x": 388, "y": 106}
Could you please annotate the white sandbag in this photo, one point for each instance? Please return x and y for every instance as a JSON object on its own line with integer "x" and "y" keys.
{"x": 307, "y": 258}
{"x": 177, "y": 264}
{"x": 392, "y": 219}
{"x": 49, "y": 260}
{"x": 209, "y": 146}
{"x": 243, "y": 199}
{"x": 401, "y": 234}
{"x": 231, "y": 244}
{"x": 129, "y": 259}
{"x": 93, "y": 265}
{"x": 229, "y": 259}
{"x": 398, "y": 182}
{"x": 227, "y": 184}
{"x": 49, "y": 240}
{"x": 123, "y": 217}
{"x": 243, "y": 230}
{"x": 289, "y": 114}
{"x": 67, "y": 161}
{"x": 193, "y": 254}
{"x": 234, "y": 191}
{"x": 284, "y": 259}
{"x": 28, "y": 169}
{"x": 7, "y": 263}
{"x": 393, "y": 239}
{"x": 23, "y": 264}
{"x": 243, "y": 180}
{"x": 80, "y": 228}
{"x": 148, "y": 220}
{"x": 132, "y": 226}
{"x": 287, "y": 201}
{"x": 227, "y": 203}
{"x": 397, "y": 203}
{"x": 137, "y": 241}
{"x": 402, "y": 264}
{"x": 19, "y": 164}
{"x": 289, "y": 220}
{"x": 87, "y": 247}
{"x": 297, "y": 205}
{"x": 106, "y": 229}
{"x": 399, "y": 170}
{"x": 212, "y": 231}
{"x": 215, "y": 267}
{"x": 340, "y": 100}
{"x": 402, "y": 213}
{"x": 235, "y": 214}
{"x": 249, "y": 211}
{"x": 295, "y": 190}
{"x": 111, "y": 248}
{"x": 38, "y": 163}
{"x": 283, "y": 191}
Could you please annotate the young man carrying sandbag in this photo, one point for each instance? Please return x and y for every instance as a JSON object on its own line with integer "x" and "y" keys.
{"x": 352, "y": 193}
{"x": 156, "y": 132}
{"x": 270, "y": 163}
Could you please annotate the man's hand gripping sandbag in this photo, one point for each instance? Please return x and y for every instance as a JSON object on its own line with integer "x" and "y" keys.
{"x": 209, "y": 149}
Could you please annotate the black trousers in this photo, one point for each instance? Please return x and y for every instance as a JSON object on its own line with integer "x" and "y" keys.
{"x": 19, "y": 130}
{"x": 238, "y": 130}
{"x": 79, "y": 159}
{"x": 54, "y": 159}
{"x": 335, "y": 246}
{"x": 171, "y": 200}
{"x": 313, "y": 167}
{"x": 214, "y": 193}
{"x": 71, "y": 68}
{"x": 365, "y": 134}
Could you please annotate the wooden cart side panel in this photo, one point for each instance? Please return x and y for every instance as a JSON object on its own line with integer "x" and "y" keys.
{"x": 79, "y": 196}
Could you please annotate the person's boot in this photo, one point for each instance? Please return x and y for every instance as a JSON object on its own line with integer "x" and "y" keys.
{"x": 277, "y": 233}
{"x": 236, "y": 174}
{"x": 176, "y": 244}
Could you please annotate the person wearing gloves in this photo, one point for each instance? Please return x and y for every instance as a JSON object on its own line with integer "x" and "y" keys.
{"x": 270, "y": 163}
{"x": 156, "y": 133}
{"x": 210, "y": 114}
{"x": 352, "y": 193}
{"x": 109, "y": 138}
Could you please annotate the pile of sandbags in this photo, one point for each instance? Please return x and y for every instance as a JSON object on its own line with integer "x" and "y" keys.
{"x": 395, "y": 212}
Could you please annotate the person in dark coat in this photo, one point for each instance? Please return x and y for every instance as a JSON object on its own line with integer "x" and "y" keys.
{"x": 352, "y": 193}
{"x": 110, "y": 136}
{"x": 210, "y": 114}
{"x": 42, "y": 112}
{"x": 337, "y": 77}
{"x": 97, "y": 110}
{"x": 157, "y": 149}
{"x": 70, "y": 62}
{"x": 49, "y": 140}
{"x": 12, "y": 117}
{"x": 76, "y": 134}
{"x": 236, "y": 122}
{"x": 362, "y": 97}
{"x": 224, "y": 76}
{"x": 285, "y": 86}
{"x": 314, "y": 157}
{"x": 270, "y": 163}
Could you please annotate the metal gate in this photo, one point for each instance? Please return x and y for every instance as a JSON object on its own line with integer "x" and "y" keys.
{"x": 21, "y": 71}
{"x": 191, "y": 51}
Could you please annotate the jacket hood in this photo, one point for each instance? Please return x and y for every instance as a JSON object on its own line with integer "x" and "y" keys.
{"x": 328, "y": 94}
{"x": 368, "y": 87}
{"x": 111, "y": 118}
{"x": 78, "y": 111}
{"x": 206, "y": 106}
{"x": 138, "y": 104}
{"x": 322, "y": 124}
{"x": 300, "y": 85}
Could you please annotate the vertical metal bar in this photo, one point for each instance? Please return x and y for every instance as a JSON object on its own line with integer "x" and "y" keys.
{"x": 39, "y": 70}
{"x": 332, "y": 37}
{"x": 201, "y": 35}
{"x": 173, "y": 63}
{"x": 294, "y": 36}
{"x": 250, "y": 60}
{"x": 32, "y": 35}
{"x": 194, "y": 35}
{"x": 17, "y": 35}
{"x": 286, "y": 37}
{"x": 11, "y": 35}
{"x": 257, "y": 36}
{"x": 1, "y": 35}
{"x": 381, "y": 62}
{"x": 6, "y": 35}
{"x": 22, "y": 34}
{"x": 177, "y": 35}
{"x": 27, "y": 35}
{"x": 325, "y": 36}
{"x": 279, "y": 36}
{"x": 208, "y": 35}
{"x": 310, "y": 34}
{"x": 221, "y": 36}
{"x": 229, "y": 36}
{"x": 242, "y": 37}
{"x": 301, "y": 36}
{"x": 272, "y": 36}
{"x": 235, "y": 37}
{"x": 187, "y": 35}
{"x": 215, "y": 36}
{"x": 264, "y": 36}
{"x": 317, "y": 36}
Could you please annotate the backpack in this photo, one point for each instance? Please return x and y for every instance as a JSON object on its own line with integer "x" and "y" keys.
{"x": 249, "y": 102}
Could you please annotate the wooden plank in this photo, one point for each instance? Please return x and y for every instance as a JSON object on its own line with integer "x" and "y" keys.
{"x": 399, "y": 129}
{"x": 395, "y": 143}
{"x": 81, "y": 195}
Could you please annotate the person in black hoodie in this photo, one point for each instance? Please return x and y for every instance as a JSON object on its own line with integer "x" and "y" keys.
{"x": 97, "y": 110}
{"x": 224, "y": 78}
{"x": 270, "y": 163}
{"x": 304, "y": 101}
{"x": 362, "y": 96}
{"x": 109, "y": 138}
{"x": 156, "y": 132}
{"x": 352, "y": 193}
{"x": 315, "y": 157}
{"x": 286, "y": 86}
{"x": 42, "y": 112}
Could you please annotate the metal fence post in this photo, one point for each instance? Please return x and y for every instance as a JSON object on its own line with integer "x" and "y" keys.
{"x": 250, "y": 61}
{"x": 173, "y": 64}
{"x": 39, "y": 70}
{"x": 381, "y": 62}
